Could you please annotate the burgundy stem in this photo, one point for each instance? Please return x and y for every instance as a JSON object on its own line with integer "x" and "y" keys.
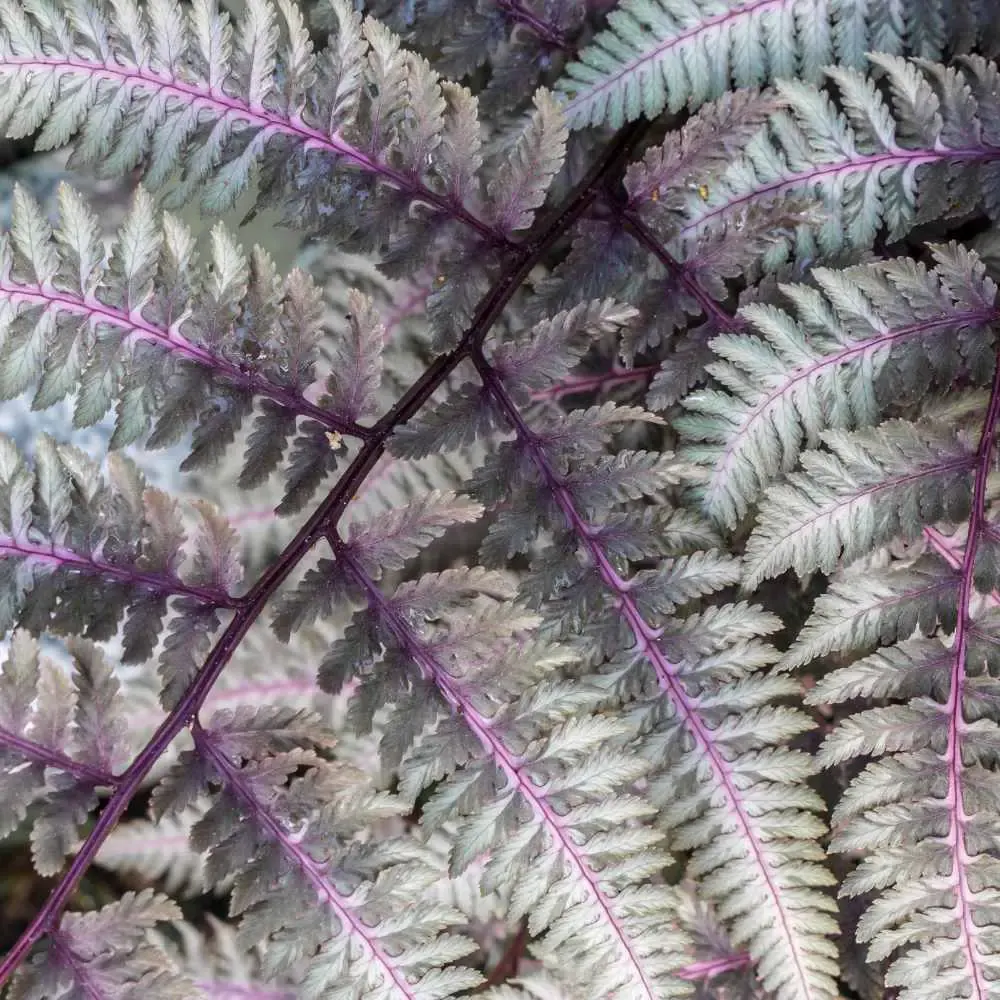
{"x": 326, "y": 516}
{"x": 546, "y": 32}
{"x": 40, "y": 754}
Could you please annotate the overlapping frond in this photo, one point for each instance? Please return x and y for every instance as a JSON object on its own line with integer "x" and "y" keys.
{"x": 338, "y": 913}
{"x": 63, "y": 526}
{"x": 921, "y": 144}
{"x": 720, "y": 770}
{"x": 663, "y": 54}
{"x": 869, "y": 336}
{"x": 922, "y": 811}
{"x": 107, "y": 953}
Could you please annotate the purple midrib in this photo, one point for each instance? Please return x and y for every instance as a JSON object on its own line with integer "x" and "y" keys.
{"x": 482, "y": 728}
{"x": 665, "y": 46}
{"x": 723, "y": 467}
{"x": 646, "y": 638}
{"x": 894, "y": 158}
{"x": 256, "y": 114}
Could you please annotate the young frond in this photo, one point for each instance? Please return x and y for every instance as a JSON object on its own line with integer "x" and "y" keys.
{"x": 869, "y": 336}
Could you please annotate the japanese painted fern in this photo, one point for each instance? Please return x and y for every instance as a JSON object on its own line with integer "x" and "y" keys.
{"x": 584, "y": 585}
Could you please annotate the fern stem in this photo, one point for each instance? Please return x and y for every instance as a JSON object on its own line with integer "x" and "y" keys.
{"x": 599, "y": 381}
{"x": 634, "y": 224}
{"x": 269, "y": 122}
{"x": 833, "y": 172}
{"x": 546, "y": 32}
{"x": 172, "y": 340}
{"x": 482, "y": 729}
{"x": 40, "y": 754}
{"x": 66, "y": 559}
{"x": 64, "y": 956}
{"x": 954, "y": 706}
{"x": 312, "y": 870}
{"x": 647, "y": 642}
{"x": 325, "y": 517}
{"x": 702, "y": 971}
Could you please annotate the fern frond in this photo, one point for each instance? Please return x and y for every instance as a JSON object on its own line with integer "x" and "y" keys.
{"x": 106, "y": 953}
{"x": 883, "y": 332}
{"x": 61, "y": 738}
{"x": 932, "y": 149}
{"x": 690, "y": 672}
{"x": 922, "y": 811}
{"x": 162, "y": 86}
{"x": 290, "y": 818}
{"x": 663, "y": 54}
{"x": 870, "y": 487}
{"x": 63, "y": 525}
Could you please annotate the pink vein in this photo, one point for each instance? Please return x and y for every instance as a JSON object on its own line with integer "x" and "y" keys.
{"x": 951, "y": 552}
{"x": 136, "y": 325}
{"x": 482, "y": 728}
{"x": 311, "y": 868}
{"x": 223, "y": 105}
{"x": 895, "y": 157}
{"x": 54, "y": 758}
{"x": 665, "y": 46}
{"x": 599, "y": 381}
{"x": 723, "y": 466}
{"x": 968, "y": 930}
{"x": 646, "y": 638}
{"x": 64, "y": 558}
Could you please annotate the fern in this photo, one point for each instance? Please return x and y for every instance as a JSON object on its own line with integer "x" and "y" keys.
{"x": 655, "y": 54}
{"x": 491, "y": 716}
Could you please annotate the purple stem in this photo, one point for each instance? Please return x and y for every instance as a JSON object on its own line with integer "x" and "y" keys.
{"x": 326, "y": 516}
{"x": 968, "y": 930}
{"x": 172, "y": 340}
{"x": 597, "y": 382}
{"x": 546, "y": 32}
{"x": 710, "y": 968}
{"x": 270, "y": 122}
{"x": 40, "y": 754}
{"x": 312, "y": 870}
{"x": 634, "y": 224}
{"x": 647, "y": 643}
{"x": 67, "y": 958}
{"x": 482, "y": 728}
{"x": 63, "y": 558}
